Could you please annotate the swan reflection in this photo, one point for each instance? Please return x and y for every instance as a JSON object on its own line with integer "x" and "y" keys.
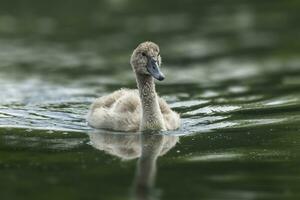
{"x": 146, "y": 146}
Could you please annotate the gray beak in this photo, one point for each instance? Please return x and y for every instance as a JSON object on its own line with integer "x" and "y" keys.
{"x": 153, "y": 69}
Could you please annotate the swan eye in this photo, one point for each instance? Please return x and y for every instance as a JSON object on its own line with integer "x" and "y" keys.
{"x": 144, "y": 54}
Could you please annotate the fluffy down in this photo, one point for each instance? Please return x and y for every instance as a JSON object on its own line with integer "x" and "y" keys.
{"x": 122, "y": 111}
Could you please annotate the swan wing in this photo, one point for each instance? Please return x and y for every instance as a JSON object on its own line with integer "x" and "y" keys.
{"x": 120, "y": 110}
{"x": 171, "y": 118}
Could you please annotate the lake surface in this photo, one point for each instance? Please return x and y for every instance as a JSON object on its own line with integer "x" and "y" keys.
{"x": 232, "y": 72}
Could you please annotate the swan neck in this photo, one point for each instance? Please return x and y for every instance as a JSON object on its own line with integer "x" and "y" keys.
{"x": 152, "y": 118}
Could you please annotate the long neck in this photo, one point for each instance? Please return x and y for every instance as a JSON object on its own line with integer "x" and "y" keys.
{"x": 152, "y": 118}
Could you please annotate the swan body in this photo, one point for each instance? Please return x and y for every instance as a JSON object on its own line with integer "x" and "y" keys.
{"x": 122, "y": 111}
{"x": 133, "y": 110}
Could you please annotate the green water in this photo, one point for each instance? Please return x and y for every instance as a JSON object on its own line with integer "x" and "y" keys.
{"x": 232, "y": 72}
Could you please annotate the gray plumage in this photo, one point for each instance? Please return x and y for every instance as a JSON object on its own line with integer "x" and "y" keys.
{"x": 133, "y": 110}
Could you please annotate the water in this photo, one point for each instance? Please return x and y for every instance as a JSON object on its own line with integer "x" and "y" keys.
{"x": 232, "y": 72}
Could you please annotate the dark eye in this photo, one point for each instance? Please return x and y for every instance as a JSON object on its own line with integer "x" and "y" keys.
{"x": 144, "y": 54}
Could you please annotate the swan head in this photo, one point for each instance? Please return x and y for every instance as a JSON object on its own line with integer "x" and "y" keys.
{"x": 146, "y": 60}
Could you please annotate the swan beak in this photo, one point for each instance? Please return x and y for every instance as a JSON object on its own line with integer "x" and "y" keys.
{"x": 153, "y": 69}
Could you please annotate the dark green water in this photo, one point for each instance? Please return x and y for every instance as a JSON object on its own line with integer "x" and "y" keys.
{"x": 232, "y": 72}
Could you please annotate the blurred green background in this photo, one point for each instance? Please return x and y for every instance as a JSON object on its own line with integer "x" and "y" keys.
{"x": 84, "y": 37}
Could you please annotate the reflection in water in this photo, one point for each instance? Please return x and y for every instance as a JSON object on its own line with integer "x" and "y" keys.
{"x": 152, "y": 146}
{"x": 148, "y": 146}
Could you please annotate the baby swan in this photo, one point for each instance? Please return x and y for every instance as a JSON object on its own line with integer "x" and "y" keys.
{"x": 133, "y": 110}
